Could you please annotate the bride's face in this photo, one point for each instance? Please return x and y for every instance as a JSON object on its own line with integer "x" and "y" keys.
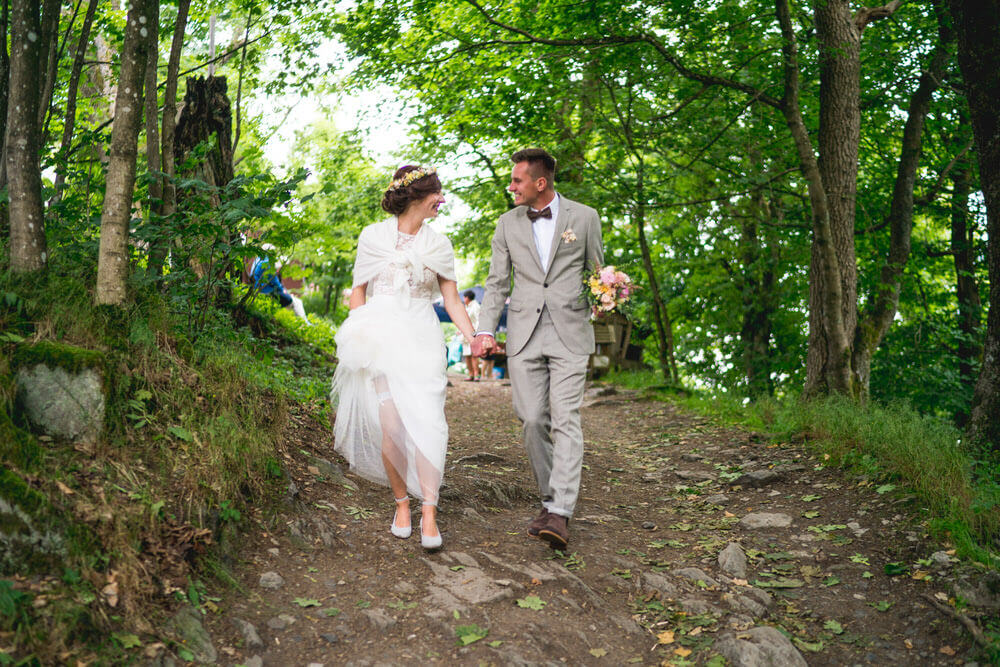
{"x": 429, "y": 206}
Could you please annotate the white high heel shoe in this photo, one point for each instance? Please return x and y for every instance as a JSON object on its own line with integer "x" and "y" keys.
{"x": 427, "y": 542}
{"x": 400, "y": 532}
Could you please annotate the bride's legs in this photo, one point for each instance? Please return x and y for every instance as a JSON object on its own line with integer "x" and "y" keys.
{"x": 430, "y": 480}
{"x": 393, "y": 454}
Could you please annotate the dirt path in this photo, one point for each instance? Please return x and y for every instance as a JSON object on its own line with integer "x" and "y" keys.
{"x": 691, "y": 542}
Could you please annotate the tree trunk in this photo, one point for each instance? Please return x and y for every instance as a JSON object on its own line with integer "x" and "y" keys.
{"x": 158, "y": 253}
{"x": 113, "y": 260}
{"x": 4, "y": 92}
{"x": 883, "y": 303}
{"x": 69, "y": 124}
{"x": 47, "y": 58}
{"x": 152, "y": 116}
{"x": 979, "y": 58}
{"x": 828, "y": 359}
{"x": 967, "y": 291}
{"x": 664, "y": 333}
{"x": 27, "y": 224}
{"x": 757, "y": 282}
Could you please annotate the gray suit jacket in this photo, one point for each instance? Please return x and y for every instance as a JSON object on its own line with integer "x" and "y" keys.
{"x": 560, "y": 288}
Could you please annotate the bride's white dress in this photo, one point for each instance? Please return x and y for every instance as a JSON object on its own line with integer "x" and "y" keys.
{"x": 389, "y": 386}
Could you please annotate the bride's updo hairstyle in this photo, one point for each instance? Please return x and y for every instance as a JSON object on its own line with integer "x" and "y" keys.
{"x": 409, "y": 184}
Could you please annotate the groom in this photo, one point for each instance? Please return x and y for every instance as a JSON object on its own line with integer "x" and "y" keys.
{"x": 547, "y": 243}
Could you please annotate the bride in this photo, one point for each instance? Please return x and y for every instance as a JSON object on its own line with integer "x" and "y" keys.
{"x": 389, "y": 386}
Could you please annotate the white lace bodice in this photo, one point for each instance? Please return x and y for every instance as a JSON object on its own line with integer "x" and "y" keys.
{"x": 424, "y": 287}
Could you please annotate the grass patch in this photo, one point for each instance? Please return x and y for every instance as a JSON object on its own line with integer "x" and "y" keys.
{"x": 192, "y": 444}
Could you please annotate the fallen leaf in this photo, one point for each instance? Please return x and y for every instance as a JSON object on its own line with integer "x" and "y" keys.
{"x": 110, "y": 593}
{"x": 598, "y": 652}
{"x": 947, "y": 650}
{"x": 908, "y": 643}
{"x": 682, "y": 652}
{"x": 65, "y": 489}
{"x": 666, "y": 637}
{"x": 695, "y": 632}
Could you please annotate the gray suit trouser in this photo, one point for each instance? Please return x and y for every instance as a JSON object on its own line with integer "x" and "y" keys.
{"x": 548, "y": 381}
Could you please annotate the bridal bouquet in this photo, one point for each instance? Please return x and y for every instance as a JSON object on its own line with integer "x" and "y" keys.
{"x": 608, "y": 290}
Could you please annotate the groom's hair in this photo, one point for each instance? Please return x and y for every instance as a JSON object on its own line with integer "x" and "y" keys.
{"x": 540, "y": 163}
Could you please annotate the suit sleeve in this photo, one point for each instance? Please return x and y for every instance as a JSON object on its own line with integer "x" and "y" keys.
{"x": 595, "y": 245}
{"x": 497, "y": 284}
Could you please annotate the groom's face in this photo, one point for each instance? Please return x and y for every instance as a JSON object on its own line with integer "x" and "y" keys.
{"x": 525, "y": 187}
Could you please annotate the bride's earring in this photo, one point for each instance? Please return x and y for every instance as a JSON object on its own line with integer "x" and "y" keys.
{"x": 405, "y": 531}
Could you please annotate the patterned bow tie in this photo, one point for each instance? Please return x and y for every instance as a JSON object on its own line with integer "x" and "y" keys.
{"x": 544, "y": 213}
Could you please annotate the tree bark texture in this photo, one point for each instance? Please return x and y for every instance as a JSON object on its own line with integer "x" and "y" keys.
{"x": 759, "y": 296}
{"x": 976, "y": 24}
{"x": 27, "y": 225}
{"x": 4, "y": 92}
{"x": 151, "y": 110}
{"x": 882, "y": 305}
{"x": 828, "y": 358}
{"x": 47, "y": 57}
{"x": 113, "y": 259}
{"x": 69, "y": 124}
{"x": 970, "y": 347}
{"x": 158, "y": 254}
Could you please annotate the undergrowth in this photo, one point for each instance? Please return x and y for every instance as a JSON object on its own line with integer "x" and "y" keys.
{"x": 191, "y": 439}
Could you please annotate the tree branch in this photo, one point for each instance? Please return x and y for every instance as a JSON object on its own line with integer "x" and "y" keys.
{"x": 866, "y": 15}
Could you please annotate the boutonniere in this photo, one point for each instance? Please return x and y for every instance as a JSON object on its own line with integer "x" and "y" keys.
{"x": 568, "y": 236}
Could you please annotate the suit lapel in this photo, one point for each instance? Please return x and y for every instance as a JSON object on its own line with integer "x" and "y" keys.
{"x": 562, "y": 224}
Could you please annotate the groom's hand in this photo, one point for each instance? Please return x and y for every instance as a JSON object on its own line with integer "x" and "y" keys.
{"x": 482, "y": 345}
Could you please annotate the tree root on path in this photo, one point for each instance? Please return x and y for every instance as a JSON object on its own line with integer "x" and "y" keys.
{"x": 970, "y": 625}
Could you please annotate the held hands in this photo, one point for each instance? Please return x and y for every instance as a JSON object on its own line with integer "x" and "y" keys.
{"x": 482, "y": 345}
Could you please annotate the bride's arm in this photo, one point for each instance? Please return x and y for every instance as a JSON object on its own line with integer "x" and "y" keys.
{"x": 358, "y": 296}
{"x": 455, "y": 308}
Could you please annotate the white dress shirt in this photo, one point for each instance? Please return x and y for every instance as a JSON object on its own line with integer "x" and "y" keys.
{"x": 543, "y": 229}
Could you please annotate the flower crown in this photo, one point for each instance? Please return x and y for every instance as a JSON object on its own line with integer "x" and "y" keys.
{"x": 411, "y": 176}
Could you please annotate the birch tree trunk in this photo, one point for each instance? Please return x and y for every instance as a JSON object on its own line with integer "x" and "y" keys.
{"x": 113, "y": 259}
{"x": 27, "y": 226}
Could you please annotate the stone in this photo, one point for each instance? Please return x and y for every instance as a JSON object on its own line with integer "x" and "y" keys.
{"x": 696, "y": 575}
{"x": 274, "y": 551}
{"x": 745, "y": 605}
{"x": 856, "y": 528}
{"x": 941, "y": 559}
{"x": 330, "y": 638}
{"x": 471, "y": 513}
{"x": 733, "y": 561}
{"x": 762, "y": 645}
{"x": 717, "y": 499}
{"x": 648, "y": 525}
{"x": 251, "y": 637}
{"x": 254, "y": 661}
{"x": 756, "y": 520}
{"x": 761, "y": 596}
{"x": 983, "y": 594}
{"x": 280, "y": 622}
{"x": 695, "y": 606}
{"x": 691, "y": 456}
{"x": 404, "y": 587}
{"x": 271, "y": 580}
{"x": 62, "y": 403}
{"x": 379, "y": 619}
{"x": 758, "y": 478}
{"x": 694, "y": 475}
{"x": 188, "y": 629}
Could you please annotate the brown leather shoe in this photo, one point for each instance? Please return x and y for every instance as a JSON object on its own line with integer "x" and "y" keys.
{"x": 555, "y": 531}
{"x": 537, "y": 523}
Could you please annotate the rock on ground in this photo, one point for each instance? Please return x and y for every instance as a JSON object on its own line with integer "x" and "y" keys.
{"x": 61, "y": 404}
{"x": 766, "y": 520}
{"x": 733, "y": 561}
{"x": 759, "y": 646}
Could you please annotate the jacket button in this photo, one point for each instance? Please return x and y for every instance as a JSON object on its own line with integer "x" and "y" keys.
{"x": 538, "y": 310}
{"x": 545, "y": 285}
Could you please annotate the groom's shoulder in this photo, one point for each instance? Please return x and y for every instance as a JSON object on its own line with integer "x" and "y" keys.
{"x": 511, "y": 213}
{"x": 576, "y": 208}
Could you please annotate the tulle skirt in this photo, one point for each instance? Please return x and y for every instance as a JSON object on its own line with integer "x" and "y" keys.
{"x": 389, "y": 392}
